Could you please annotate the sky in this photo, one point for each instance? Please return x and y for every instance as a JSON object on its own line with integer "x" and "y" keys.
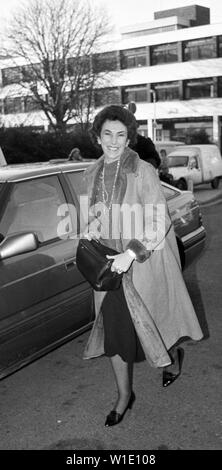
{"x": 125, "y": 12}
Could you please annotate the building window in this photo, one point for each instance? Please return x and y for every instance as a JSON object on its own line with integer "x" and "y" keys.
{"x": 25, "y": 73}
{"x": 106, "y": 96}
{"x": 133, "y": 58}
{"x": 1, "y": 107}
{"x": 11, "y": 75}
{"x": 105, "y": 62}
{"x": 144, "y": 32}
{"x": 166, "y": 91}
{"x": 134, "y": 93}
{"x": 219, "y": 87}
{"x": 199, "y": 88}
{"x": 199, "y": 49}
{"x": 220, "y": 46}
{"x": 13, "y": 105}
{"x": 183, "y": 129}
{"x": 30, "y": 73}
{"x": 164, "y": 53}
{"x": 31, "y": 104}
{"x": 159, "y": 134}
{"x": 78, "y": 65}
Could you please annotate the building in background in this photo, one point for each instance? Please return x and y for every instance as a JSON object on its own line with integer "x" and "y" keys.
{"x": 170, "y": 67}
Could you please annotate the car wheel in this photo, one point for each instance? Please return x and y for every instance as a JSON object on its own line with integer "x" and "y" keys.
{"x": 215, "y": 183}
{"x": 181, "y": 184}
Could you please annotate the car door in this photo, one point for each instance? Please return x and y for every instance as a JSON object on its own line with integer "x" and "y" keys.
{"x": 43, "y": 297}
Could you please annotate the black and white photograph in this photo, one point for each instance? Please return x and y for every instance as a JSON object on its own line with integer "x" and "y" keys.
{"x": 111, "y": 231}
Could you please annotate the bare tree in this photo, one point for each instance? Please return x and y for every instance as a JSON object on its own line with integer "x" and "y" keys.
{"x": 57, "y": 39}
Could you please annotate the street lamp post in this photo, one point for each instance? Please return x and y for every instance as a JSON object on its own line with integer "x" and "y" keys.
{"x": 153, "y": 92}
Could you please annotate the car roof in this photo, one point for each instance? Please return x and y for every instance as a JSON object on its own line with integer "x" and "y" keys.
{"x": 183, "y": 152}
{"x": 23, "y": 171}
{"x": 192, "y": 146}
{"x": 168, "y": 142}
{"x": 17, "y": 172}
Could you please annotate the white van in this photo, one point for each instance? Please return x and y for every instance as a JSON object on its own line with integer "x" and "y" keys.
{"x": 197, "y": 164}
{"x": 2, "y": 158}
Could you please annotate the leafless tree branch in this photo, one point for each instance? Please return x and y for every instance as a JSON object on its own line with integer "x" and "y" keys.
{"x": 57, "y": 40}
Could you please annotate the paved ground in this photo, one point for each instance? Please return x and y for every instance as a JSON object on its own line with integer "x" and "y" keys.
{"x": 204, "y": 193}
{"x": 60, "y": 401}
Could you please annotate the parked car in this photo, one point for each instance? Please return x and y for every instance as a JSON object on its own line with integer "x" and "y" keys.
{"x": 188, "y": 224}
{"x": 44, "y": 299}
{"x": 164, "y": 147}
{"x": 196, "y": 163}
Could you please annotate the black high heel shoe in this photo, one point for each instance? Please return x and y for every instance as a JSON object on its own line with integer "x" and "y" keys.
{"x": 170, "y": 377}
{"x": 114, "y": 418}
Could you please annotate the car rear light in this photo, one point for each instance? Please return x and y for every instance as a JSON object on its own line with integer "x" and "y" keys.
{"x": 200, "y": 218}
{"x": 193, "y": 205}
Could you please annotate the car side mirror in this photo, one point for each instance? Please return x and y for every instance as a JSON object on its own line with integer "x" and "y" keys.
{"x": 18, "y": 244}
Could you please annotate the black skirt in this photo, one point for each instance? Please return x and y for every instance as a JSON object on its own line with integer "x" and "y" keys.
{"x": 120, "y": 335}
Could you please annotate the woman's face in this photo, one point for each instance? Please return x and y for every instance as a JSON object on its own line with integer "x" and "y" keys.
{"x": 113, "y": 139}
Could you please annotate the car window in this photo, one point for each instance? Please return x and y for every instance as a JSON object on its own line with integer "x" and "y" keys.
{"x": 77, "y": 183}
{"x": 177, "y": 160}
{"x": 169, "y": 193}
{"x": 34, "y": 207}
{"x": 193, "y": 162}
{"x": 78, "y": 186}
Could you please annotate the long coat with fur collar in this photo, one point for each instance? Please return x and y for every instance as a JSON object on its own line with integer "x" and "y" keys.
{"x": 154, "y": 288}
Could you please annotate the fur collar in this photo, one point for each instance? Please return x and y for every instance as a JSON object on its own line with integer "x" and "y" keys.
{"x": 128, "y": 163}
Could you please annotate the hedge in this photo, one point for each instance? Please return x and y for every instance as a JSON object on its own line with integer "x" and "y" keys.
{"x": 23, "y": 145}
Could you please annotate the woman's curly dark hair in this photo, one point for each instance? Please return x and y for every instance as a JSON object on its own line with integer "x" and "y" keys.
{"x": 115, "y": 112}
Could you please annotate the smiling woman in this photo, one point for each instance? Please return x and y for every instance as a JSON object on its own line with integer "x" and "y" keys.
{"x": 113, "y": 139}
{"x": 33, "y": 321}
{"x": 151, "y": 310}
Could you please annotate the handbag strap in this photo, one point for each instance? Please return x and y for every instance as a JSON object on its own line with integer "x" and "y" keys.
{"x": 171, "y": 224}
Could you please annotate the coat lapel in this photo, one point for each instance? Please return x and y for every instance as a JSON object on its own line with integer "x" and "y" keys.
{"x": 128, "y": 164}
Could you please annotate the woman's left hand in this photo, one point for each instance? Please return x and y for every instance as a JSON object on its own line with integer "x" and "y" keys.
{"x": 121, "y": 263}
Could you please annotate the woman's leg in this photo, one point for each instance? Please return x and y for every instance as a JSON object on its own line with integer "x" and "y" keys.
{"x": 177, "y": 354}
{"x": 172, "y": 372}
{"x": 174, "y": 366}
{"x": 123, "y": 372}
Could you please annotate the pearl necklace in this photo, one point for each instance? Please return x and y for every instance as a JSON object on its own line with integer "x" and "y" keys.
{"x": 104, "y": 192}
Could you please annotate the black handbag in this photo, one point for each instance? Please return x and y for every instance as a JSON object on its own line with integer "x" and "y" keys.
{"x": 96, "y": 268}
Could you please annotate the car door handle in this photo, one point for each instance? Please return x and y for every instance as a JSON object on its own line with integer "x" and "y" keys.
{"x": 70, "y": 265}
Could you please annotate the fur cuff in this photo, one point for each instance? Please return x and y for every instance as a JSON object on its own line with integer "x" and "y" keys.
{"x": 139, "y": 249}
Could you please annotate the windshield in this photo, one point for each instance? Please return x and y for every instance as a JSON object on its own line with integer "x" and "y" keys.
{"x": 177, "y": 160}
